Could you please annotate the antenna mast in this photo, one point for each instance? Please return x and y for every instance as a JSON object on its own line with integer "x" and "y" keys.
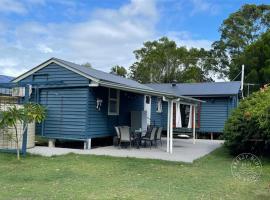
{"x": 242, "y": 79}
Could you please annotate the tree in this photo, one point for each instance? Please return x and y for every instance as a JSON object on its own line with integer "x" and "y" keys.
{"x": 239, "y": 30}
{"x": 87, "y": 64}
{"x": 119, "y": 70}
{"x": 248, "y": 127}
{"x": 256, "y": 58}
{"x": 16, "y": 116}
{"x": 162, "y": 61}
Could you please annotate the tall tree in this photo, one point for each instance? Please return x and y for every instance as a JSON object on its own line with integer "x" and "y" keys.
{"x": 256, "y": 58}
{"x": 238, "y": 31}
{"x": 162, "y": 61}
{"x": 119, "y": 70}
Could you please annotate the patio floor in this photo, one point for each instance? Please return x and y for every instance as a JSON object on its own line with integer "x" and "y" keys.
{"x": 183, "y": 150}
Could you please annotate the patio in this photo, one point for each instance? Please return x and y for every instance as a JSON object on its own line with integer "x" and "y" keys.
{"x": 183, "y": 150}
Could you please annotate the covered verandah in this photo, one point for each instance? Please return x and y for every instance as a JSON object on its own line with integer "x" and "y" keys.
{"x": 193, "y": 103}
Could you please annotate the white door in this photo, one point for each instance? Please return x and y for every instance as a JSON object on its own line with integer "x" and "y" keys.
{"x": 147, "y": 108}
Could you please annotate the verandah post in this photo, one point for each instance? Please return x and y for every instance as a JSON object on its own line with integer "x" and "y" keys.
{"x": 168, "y": 126}
{"x": 171, "y": 128}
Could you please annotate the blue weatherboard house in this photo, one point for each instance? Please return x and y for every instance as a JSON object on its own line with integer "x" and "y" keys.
{"x": 89, "y": 103}
{"x": 220, "y": 98}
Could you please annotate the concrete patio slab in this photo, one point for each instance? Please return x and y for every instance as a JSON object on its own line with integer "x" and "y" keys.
{"x": 183, "y": 150}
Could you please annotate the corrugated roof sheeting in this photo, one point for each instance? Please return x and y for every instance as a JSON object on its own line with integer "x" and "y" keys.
{"x": 199, "y": 89}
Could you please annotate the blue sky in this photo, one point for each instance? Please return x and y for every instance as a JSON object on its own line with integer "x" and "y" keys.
{"x": 104, "y": 33}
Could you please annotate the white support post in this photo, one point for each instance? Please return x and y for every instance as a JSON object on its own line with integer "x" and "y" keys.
{"x": 194, "y": 124}
{"x": 87, "y": 144}
{"x": 171, "y": 128}
{"x": 168, "y": 126}
{"x": 51, "y": 143}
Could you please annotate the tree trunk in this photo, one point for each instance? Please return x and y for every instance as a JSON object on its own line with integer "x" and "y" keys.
{"x": 17, "y": 142}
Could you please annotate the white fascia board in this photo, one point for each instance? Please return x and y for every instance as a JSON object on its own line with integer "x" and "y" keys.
{"x": 41, "y": 66}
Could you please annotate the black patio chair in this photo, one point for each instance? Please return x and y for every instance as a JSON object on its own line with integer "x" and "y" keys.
{"x": 158, "y": 137}
{"x": 151, "y": 138}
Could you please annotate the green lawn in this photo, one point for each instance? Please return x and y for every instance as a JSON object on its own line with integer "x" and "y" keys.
{"x": 100, "y": 177}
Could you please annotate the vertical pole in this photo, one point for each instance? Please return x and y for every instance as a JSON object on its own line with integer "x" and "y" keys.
{"x": 242, "y": 79}
{"x": 89, "y": 143}
{"x": 24, "y": 138}
{"x": 194, "y": 124}
{"x": 168, "y": 126}
{"x": 171, "y": 128}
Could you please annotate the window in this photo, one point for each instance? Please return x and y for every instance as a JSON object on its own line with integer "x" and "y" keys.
{"x": 113, "y": 102}
{"x": 159, "y": 105}
{"x": 147, "y": 99}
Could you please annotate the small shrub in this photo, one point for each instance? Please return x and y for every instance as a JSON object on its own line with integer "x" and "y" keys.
{"x": 248, "y": 128}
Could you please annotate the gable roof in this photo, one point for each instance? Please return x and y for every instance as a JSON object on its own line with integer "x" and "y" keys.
{"x": 199, "y": 89}
{"x": 103, "y": 79}
{"x": 5, "y": 79}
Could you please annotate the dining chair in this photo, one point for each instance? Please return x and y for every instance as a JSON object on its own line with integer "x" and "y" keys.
{"x": 158, "y": 137}
{"x": 150, "y": 138}
{"x": 125, "y": 136}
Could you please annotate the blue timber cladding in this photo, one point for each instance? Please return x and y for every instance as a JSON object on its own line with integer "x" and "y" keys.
{"x": 213, "y": 113}
{"x": 54, "y": 72}
{"x": 158, "y": 118}
{"x": 66, "y": 106}
{"x": 66, "y": 112}
{"x": 101, "y": 124}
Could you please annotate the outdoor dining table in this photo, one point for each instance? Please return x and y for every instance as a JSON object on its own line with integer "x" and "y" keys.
{"x": 137, "y": 135}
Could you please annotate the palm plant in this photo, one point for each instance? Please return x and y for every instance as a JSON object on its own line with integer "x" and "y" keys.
{"x": 16, "y": 116}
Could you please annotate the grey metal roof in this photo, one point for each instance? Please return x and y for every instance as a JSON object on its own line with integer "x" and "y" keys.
{"x": 5, "y": 79}
{"x": 199, "y": 89}
{"x": 105, "y": 79}
{"x": 100, "y": 75}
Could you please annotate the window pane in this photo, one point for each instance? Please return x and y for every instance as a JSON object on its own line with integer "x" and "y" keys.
{"x": 147, "y": 99}
{"x": 113, "y": 93}
{"x": 113, "y": 106}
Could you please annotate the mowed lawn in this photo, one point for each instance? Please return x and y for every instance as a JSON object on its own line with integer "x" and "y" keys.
{"x": 100, "y": 177}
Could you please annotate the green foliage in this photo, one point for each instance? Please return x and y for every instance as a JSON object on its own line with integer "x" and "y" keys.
{"x": 248, "y": 128}
{"x": 162, "y": 61}
{"x": 29, "y": 113}
{"x": 256, "y": 58}
{"x": 119, "y": 70}
{"x": 239, "y": 30}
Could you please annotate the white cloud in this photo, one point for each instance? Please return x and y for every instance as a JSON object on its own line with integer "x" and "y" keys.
{"x": 44, "y": 49}
{"x": 12, "y": 6}
{"x": 204, "y": 6}
{"x": 108, "y": 37}
{"x": 184, "y": 38}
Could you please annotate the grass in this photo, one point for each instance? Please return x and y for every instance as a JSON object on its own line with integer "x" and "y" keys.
{"x": 100, "y": 177}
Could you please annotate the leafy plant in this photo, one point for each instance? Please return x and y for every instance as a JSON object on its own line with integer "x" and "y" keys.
{"x": 248, "y": 128}
{"x": 16, "y": 116}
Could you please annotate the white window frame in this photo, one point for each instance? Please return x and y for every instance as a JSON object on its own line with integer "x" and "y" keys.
{"x": 113, "y": 99}
{"x": 159, "y": 105}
